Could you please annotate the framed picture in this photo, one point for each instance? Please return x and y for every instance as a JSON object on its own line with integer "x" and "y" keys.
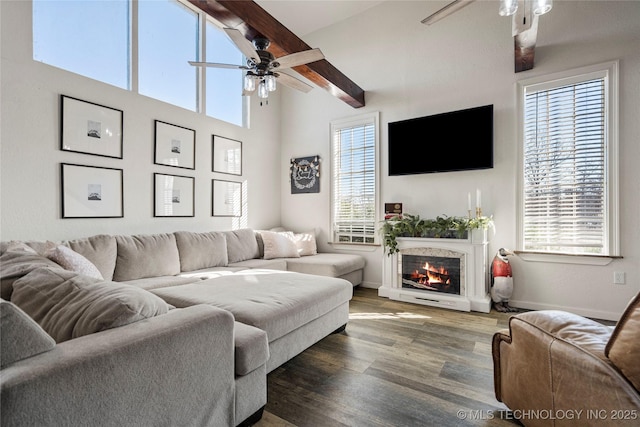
{"x": 227, "y": 155}
{"x": 91, "y": 192}
{"x": 305, "y": 174}
{"x": 90, "y": 128}
{"x": 174, "y": 195}
{"x": 226, "y": 198}
{"x": 174, "y": 146}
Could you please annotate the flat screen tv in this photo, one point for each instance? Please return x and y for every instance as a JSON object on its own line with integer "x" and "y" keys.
{"x": 454, "y": 141}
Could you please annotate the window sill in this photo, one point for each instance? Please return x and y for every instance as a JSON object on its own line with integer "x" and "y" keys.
{"x": 566, "y": 258}
{"x": 363, "y": 247}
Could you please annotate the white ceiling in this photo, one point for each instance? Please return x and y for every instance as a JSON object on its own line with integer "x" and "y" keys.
{"x": 306, "y": 16}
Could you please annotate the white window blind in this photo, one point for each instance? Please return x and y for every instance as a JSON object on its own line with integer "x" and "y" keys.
{"x": 565, "y": 186}
{"x": 354, "y": 185}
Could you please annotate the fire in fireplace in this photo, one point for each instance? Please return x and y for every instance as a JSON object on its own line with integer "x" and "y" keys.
{"x": 431, "y": 273}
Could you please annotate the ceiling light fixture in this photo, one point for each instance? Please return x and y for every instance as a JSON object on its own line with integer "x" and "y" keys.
{"x": 509, "y": 7}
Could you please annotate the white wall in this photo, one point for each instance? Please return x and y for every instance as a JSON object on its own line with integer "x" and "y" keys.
{"x": 409, "y": 70}
{"x": 30, "y": 154}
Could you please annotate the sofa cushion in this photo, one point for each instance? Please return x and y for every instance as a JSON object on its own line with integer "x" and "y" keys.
{"x": 306, "y": 243}
{"x": 71, "y": 260}
{"x": 251, "y": 348}
{"x": 21, "y": 336}
{"x": 279, "y": 244}
{"x": 326, "y": 264}
{"x": 14, "y": 265}
{"x": 271, "y": 264}
{"x": 160, "y": 281}
{"x": 277, "y": 302}
{"x": 241, "y": 245}
{"x": 143, "y": 256}
{"x": 101, "y": 250}
{"x": 201, "y": 250}
{"x": 19, "y": 246}
{"x": 623, "y": 348}
{"x": 68, "y": 305}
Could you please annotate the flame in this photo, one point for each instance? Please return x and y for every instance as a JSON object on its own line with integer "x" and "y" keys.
{"x": 434, "y": 275}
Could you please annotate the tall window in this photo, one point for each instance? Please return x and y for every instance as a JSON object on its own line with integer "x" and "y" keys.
{"x": 224, "y": 85}
{"x": 163, "y": 54}
{"x": 88, "y": 38}
{"x": 354, "y": 187}
{"x": 569, "y": 163}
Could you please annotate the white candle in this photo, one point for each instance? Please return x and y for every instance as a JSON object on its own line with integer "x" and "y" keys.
{"x": 469, "y": 201}
{"x": 478, "y": 199}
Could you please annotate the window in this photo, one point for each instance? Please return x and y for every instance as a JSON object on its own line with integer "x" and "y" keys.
{"x": 164, "y": 70}
{"x": 88, "y": 38}
{"x": 569, "y": 163}
{"x": 354, "y": 186}
{"x": 126, "y": 43}
{"x": 224, "y": 86}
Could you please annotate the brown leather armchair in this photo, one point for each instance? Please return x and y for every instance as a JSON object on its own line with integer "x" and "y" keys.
{"x": 553, "y": 368}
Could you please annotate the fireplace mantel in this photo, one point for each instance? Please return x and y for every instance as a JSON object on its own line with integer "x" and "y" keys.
{"x": 476, "y": 291}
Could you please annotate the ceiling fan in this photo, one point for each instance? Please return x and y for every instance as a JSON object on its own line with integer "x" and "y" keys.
{"x": 263, "y": 69}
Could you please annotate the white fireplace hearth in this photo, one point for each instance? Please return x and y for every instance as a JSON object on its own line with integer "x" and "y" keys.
{"x": 470, "y": 288}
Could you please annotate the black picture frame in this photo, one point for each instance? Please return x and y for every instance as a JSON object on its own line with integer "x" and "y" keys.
{"x": 226, "y": 198}
{"x": 91, "y": 191}
{"x": 90, "y": 128}
{"x": 174, "y": 196}
{"x": 226, "y": 155}
{"x": 174, "y": 145}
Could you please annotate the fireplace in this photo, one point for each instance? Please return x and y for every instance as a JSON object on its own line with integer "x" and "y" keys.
{"x": 431, "y": 273}
{"x": 447, "y": 273}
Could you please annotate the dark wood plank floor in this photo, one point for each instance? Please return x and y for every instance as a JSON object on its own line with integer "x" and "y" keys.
{"x": 397, "y": 364}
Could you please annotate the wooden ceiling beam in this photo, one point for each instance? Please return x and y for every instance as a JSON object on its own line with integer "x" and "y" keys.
{"x": 252, "y": 20}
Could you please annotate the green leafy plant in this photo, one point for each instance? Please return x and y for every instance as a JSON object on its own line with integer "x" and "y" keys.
{"x": 409, "y": 225}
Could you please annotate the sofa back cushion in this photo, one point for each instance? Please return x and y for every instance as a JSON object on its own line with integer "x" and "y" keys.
{"x": 623, "y": 348}
{"x": 101, "y": 250}
{"x": 21, "y": 336}
{"x": 69, "y": 305}
{"x": 143, "y": 256}
{"x": 201, "y": 250}
{"x": 241, "y": 245}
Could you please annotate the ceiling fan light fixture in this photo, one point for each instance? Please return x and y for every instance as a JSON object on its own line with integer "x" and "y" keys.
{"x": 270, "y": 81}
{"x": 508, "y": 7}
{"x": 541, "y": 7}
{"x": 263, "y": 92}
{"x": 249, "y": 82}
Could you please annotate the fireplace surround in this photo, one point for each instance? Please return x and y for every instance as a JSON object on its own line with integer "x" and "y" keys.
{"x": 446, "y": 273}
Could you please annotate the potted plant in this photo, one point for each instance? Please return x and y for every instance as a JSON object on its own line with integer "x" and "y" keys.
{"x": 444, "y": 226}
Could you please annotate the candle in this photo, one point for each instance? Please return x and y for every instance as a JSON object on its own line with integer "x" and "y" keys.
{"x": 469, "y": 201}
{"x": 478, "y": 199}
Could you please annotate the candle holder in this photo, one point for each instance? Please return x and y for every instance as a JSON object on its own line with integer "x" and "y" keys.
{"x": 478, "y": 212}
{"x": 469, "y": 213}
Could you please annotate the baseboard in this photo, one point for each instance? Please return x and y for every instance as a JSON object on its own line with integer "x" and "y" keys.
{"x": 370, "y": 285}
{"x": 594, "y": 314}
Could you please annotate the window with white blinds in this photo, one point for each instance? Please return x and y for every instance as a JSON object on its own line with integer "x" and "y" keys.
{"x": 566, "y": 174}
{"x": 354, "y": 180}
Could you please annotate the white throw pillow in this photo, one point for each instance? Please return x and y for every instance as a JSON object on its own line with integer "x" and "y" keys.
{"x": 279, "y": 245}
{"x": 306, "y": 244}
{"x": 71, "y": 260}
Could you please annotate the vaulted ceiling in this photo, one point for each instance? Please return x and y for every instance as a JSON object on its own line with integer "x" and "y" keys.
{"x": 252, "y": 20}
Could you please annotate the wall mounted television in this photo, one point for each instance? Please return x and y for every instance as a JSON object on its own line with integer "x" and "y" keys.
{"x": 453, "y": 141}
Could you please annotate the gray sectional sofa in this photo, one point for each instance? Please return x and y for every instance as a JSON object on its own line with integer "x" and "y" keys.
{"x": 166, "y": 329}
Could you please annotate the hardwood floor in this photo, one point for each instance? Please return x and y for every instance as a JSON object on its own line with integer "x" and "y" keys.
{"x": 397, "y": 364}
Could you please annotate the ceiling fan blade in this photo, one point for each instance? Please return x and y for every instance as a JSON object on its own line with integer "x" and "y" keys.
{"x": 452, "y": 7}
{"x": 299, "y": 58}
{"x": 293, "y": 82}
{"x": 245, "y": 46}
{"x": 216, "y": 65}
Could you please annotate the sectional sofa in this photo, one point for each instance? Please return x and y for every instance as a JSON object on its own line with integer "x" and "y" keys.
{"x": 166, "y": 329}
